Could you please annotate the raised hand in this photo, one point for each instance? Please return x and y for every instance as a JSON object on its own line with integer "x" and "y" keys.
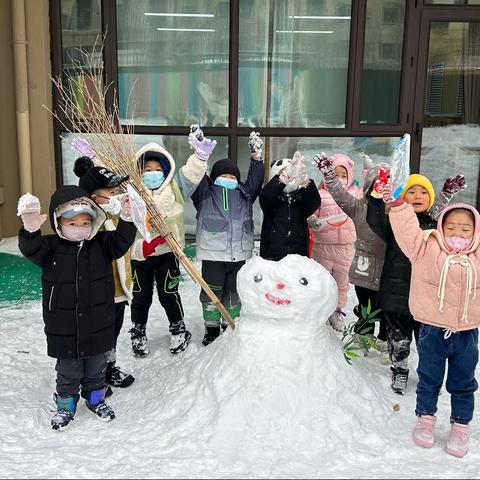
{"x": 126, "y": 213}
{"x": 386, "y": 191}
{"x": 325, "y": 165}
{"x": 256, "y": 145}
{"x": 29, "y": 210}
{"x": 367, "y": 161}
{"x": 82, "y": 146}
{"x": 201, "y": 145}
{"x": 454, "y": 185}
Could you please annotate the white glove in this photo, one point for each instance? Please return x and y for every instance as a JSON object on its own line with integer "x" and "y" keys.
{"x": 295, "y": 175}
{"x": 29, "y": 209}
{"x": 367, "y": 161}
{"x": 126, "y": 211}
{"x": 256, "y": 145}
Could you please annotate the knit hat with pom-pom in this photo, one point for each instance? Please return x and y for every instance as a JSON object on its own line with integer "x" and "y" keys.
{"x": 92, "y": 178}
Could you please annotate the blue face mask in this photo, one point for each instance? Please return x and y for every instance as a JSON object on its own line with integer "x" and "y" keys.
{"x": 229, "y": 183}
{"x": 153, "y": 180}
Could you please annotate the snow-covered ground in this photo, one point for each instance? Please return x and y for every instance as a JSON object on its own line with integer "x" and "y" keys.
{"x": 203, "y": 415}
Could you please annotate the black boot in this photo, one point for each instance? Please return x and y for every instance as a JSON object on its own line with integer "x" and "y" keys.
{"x": 399, "y": 380}
{"x": 116, "y": 377}
{"x": 139, "y": 340}
{"x": 211, "y": 333}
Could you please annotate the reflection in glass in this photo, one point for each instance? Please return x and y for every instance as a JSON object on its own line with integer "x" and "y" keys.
{"x": 379, "y": 149}
{"x": 177, "y": 145}
{"x": 382, "y": 61}
{"x": 173, "y": 61}
{"x": 451, "y": 133}
{"x": 293, "y": 63}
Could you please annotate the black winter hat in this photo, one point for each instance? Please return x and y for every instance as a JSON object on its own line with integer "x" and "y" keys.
{"x": 157, "y": 157}
{"x": 221, "y": 167}
{"x": 92, "y": 178}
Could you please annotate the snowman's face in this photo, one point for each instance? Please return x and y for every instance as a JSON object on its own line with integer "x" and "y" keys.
{"x": 295, "y": 288}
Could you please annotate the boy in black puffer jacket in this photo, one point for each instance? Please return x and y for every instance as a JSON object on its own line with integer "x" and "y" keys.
{"x": 287, "y": 200}
{"x": 78, "y": 292}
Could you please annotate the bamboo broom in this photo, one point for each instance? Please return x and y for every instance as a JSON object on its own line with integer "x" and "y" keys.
{"x": 83, "y": 106}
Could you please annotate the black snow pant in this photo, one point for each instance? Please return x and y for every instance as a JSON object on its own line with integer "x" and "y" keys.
{"x": 363, "y": 295}
{"x": 165, "y": 272}
{"x": 400, "y": 330}
{"x": 221, "y": 277}
{"x": 88, "y": 373}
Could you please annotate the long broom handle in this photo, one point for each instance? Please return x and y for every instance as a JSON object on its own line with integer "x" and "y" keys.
{"x": 160, "y": 225}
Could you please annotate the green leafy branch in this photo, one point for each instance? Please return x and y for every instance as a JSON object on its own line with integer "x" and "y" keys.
{"x": 362, "y": 341}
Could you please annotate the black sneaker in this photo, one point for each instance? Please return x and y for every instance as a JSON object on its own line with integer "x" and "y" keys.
{"x": 117, "y": 378}
{"x": 399, "y": 380}
{"x": 211, "y": 334}
{"x": 179, "y": 342}
{"x": 139, "y": 340}
{"x": 103, "y": 411}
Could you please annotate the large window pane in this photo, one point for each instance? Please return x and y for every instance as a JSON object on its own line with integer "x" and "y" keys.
{"x": 293, "y": 63}
{"x": 176, "y": 145}
{"x": 173, "y": 61}
{"x": 451, "y": 133}
{"x": 382, "y": 61}
{"x": 453, "y": 2}
{"x": 81, "y": 22}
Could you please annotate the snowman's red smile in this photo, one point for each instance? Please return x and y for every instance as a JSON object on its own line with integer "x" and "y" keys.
{"x": 276, "y": 300}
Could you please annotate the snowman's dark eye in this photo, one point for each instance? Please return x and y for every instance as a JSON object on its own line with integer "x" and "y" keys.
{"x": 258, "y": 277}
{"x": 303, "y": 281}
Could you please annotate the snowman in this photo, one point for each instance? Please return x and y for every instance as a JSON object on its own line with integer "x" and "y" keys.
{"x": 276, "y": 383}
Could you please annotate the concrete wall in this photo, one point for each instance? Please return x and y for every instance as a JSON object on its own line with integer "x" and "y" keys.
{"x": 41, "y": 125}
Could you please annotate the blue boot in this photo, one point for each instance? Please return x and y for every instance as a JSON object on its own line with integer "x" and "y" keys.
{"x": 66, "y": 408}
{"x": 96, "y": 404}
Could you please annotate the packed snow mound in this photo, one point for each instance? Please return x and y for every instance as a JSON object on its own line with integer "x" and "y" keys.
{"x": 279, "y": 378}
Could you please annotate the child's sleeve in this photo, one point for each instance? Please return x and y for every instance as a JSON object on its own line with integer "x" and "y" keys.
{"x": 377, "y": 219}
{"x": 253, "y": 183}
{"x": 35, "y": 247}
{"x": 346, "y": 201}
{"x": 190, "y": 175}
{"x": 201, "y": 191}
{"x": 311, "y": 200}
{"x": 407, "y": 231}
{"x": 117, "y": 242}
{"x": 270, "y": 194}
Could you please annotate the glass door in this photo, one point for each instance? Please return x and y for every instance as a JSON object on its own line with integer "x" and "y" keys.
{"x": 446, "y": 139}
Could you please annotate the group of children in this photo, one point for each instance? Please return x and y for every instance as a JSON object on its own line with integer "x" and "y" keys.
{"x": 421, "y": 273}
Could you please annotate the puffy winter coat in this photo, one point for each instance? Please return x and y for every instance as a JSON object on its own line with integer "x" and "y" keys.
{"x": 77, "y": 281}
{"x": 344, "y": 232}
{"x": 396, "y": 273}
{"x": 444, "y": 290}
{"x": 169, "y": 198}
{"x": 284, "y": 227}
{"x": 225, "y": 217}
{"x": 367, "y": 264}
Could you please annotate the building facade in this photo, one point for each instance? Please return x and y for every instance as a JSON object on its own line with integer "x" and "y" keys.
{"x": 310, "y": 75}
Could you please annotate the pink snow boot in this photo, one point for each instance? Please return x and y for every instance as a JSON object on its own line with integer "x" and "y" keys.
{"x": 457, "y": 443}
{"x": 423, "y": 431}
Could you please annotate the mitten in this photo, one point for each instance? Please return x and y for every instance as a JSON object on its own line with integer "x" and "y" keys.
{"x": 325, "y": 165}
{"x": 454, "y": 185}
{"x": 202, "y": 146}
{"x": 256, "y": 145}
{"x": 316, "y": 223}
{"x": 300, "y": 175}
{"x": 149, "y": 247}
{"x": 29, "y": 210}
{"x": 381, "y": 181}
{"x": 126, "y": 209}
{"x": 367, "y": 161}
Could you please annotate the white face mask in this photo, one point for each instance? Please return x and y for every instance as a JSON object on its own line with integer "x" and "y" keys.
{"x": 113, "y": 206}
{"x": 76, "y": 234}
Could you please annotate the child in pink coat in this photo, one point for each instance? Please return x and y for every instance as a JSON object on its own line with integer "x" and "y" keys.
{"x": 334, "y": 233}
{"x": 444, "y": 298}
